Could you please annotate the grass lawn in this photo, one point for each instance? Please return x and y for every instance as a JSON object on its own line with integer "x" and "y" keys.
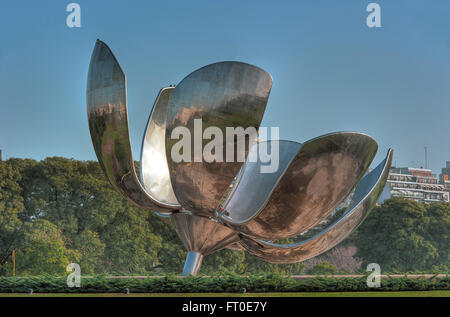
{"x": 441, "y": 293}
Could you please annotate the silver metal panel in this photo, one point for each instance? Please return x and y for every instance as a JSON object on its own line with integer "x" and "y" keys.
{"x": 226, "y": 94}
{"x": 252, "y": 188}
{"x": 308, "y": 187}
{"x": 363, "y": 200}
{"x": 201, "y": 234}
{"x": 154, "y": 171}
{"x": 108, "y": 124}
{"x": 193, "y": 263}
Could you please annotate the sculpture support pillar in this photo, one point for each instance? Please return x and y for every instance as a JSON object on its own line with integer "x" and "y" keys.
{"x": 193, "y": 263}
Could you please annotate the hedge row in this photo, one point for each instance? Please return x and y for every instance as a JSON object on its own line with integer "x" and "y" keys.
{"x": 229, "y": 283}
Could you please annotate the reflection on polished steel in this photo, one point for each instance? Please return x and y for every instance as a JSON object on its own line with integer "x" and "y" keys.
{"x": 153, "y": 169}
{"x": 216, "y": 205}
{"x": 313, "y": 179}
{"x": 193, "y": 263}
{"x": 202, "y": 234}
{"x": 227, "y": 94}
{"x": 108, "y": 124}
{"x": 363, "y": 200}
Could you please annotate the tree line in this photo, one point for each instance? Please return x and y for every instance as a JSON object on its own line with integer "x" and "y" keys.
{"x": 58, "y": 210}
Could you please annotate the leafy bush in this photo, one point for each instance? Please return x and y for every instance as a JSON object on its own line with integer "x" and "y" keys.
{"x": 216, "y": 284}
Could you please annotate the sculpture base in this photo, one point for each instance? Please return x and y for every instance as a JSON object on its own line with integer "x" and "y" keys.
{"x": 193, "y": 263}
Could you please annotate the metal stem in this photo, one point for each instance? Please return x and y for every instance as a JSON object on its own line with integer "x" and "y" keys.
{"x": 193, "y": 263}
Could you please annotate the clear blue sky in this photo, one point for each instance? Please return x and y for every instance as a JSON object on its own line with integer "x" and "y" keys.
{"x": 331, "y": 72}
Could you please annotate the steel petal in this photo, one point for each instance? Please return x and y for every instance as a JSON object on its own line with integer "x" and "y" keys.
{"x": 154, "y": 172}
{"x": 311, "y": 182}
{"x": 226, "y": 94}
{"x": 363, "y": 200}
{"x": 108, "y": 124}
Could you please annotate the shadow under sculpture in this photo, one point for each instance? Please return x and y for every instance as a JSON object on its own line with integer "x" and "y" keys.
{"x": 216, "y": 205}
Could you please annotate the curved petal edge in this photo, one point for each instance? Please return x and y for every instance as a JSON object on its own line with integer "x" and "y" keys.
{"x": 363, "y": 200}
{"x": 108, "y": 124}
{"x": 223, "y": 97}
{"x": 313, "y": 178}
{"x": 154, "y": 172}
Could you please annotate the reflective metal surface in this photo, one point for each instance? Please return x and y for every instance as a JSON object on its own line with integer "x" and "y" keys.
{"x": 363, "y": 200}
{"x": 236, "y": 247}
{"x": 193, "y": 263}
{"x": 226, "y": 94}
{"x": 312, "y": 180}
{"x": 108, "y": 124}
{"x": 201, "y": 234}
{"x": 154, "y": 171}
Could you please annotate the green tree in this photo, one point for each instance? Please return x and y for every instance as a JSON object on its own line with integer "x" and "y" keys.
{"x": 11, "y": 206}
{"x": 226, "y": 260}
{"x": 438, "y": 231}
{"x": 171, "y": 256}
{"x": 42, "y": 250}
{"x": 131, "y": 245}
{"x": 398, "y": 235}
{"x": 77, "y": 198}
{"x": 92, "y": 250}
{"x": 73, "y": 195}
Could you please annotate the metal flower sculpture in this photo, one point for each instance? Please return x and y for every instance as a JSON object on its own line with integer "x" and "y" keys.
{"x": 216, "y": 205}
